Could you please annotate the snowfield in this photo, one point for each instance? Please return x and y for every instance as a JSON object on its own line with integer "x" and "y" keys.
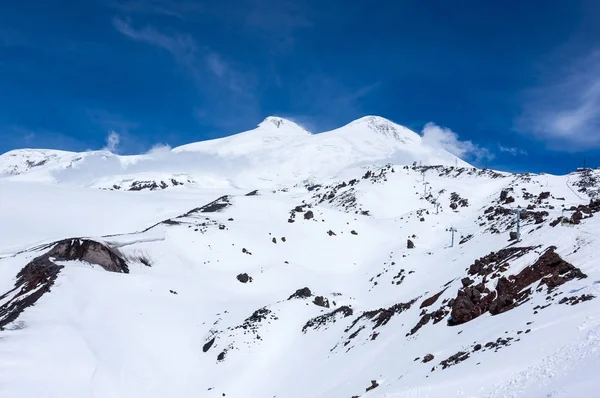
{"x": 278, "y": 263}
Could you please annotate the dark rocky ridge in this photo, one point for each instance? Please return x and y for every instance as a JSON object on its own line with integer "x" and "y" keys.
{"x": 39, "y": 275}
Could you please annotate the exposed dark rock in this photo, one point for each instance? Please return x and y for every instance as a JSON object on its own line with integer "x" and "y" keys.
{"x": 252, "y": 193}
{"x": 353, "y": 232}
{"x": 308, "y": 215}
{"x": 429, "y": 301}
{"x": 301, "y": 294}
{"x": 212, "y": 207}
{"x": 428, "y": 358}
{"x": 454, "y": 359}
{"x": 321, "y": 301}
{"x": 410, "y": 244}
{"x": 322, "y": 320}
{"x": 512, "y": 235}
{"x": 382, "y": 316}
{"x": 466, "y": 281}
{"x": 274, "y": 240}
{"x": 543, "y": 196}
{"x": 244, "y": 278}
{"x": 550, "y": 270}
{"x": 574, "y": 300}
{"x": 465, "y": 239}
{"x": 331, "y": 233}
{"x": 39, "y": 275}
{"x": 373, "y": 385}
{"x": 208, "y": 344}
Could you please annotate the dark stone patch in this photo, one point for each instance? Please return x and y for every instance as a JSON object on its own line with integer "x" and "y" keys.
{"x": 325, "y": 319}
{"x": 39, "y": 275}
{"x": 410, "y": 244}
{"x": 549, "y": 270}
{"x": 244, "y": 278}
{"x": 465, "y": 239}
{"x": 321, "y": 301}
{"x": 431, "y": 300}
{"x": 382, "y": 316}
{"x": 428, "y": 358}
{"x": 574, "y": 300}
{"x": 454, "y": 359}
{"x": 301, "y": 294}
{"x": 308, "y": 215}
{"x": 373, "y": 385}
{"x": 209, "y": 344}
{"x": 252, "y": 193}
{"x": 212, "y": 207}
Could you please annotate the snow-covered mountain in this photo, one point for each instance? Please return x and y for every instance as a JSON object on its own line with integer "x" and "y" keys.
{"x": 277, "y": 151}
{"x": 331, "y": 274}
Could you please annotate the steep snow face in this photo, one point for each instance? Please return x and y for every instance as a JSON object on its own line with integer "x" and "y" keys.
{"x": 277, "y": 152}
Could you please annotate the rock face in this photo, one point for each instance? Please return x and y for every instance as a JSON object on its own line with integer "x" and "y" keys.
{"x": 38, "y": 276}
{"x": 301, "y": 294}
{"x": 89, "y": 251}
{"x": 428, "y": 358}
{"x": 410, "y": 244}
{"x": 373, "y": 385}
{"x": 549, "y": 270}
{"x": 244, "y": 278}
{"x": 321, "y": 301}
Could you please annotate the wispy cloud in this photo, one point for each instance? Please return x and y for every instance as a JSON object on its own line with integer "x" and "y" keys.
{"x": 201, "y": 62}
{"x": 113, "y": 139}
{"x": 442, "y": 137}
{"x": 566, "y": 112}
{"x": 511, "y": 150}
{"x": 180, "y": 9}
{"x": 182, "y": 47}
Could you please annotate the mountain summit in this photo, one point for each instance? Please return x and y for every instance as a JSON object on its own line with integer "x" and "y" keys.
{"x": 277, "y": 151}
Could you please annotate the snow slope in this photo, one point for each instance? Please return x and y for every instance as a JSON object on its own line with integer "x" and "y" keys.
{"x": 181, "y": 319}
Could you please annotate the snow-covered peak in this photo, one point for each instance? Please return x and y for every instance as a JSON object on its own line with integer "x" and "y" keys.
{"x": 385, "y": 127}
{"x": 276, "y": 122}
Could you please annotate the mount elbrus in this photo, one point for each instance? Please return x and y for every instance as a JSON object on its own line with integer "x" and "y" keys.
{"x": 280, "y": 263}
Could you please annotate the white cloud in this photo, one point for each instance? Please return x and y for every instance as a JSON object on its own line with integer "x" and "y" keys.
{"x": 182, "y": 47}
{"x": 566, "y": 112}
{"x": 159, "y": 150}
{"x": 197, "y": 60}
{"x": 113, "y": 139}
{"x": 512, "y": 151}
{"x": 442, "y": 137}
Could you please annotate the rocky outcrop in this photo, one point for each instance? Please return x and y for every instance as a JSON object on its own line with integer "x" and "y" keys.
{"x": 325, "y": 319}
{"x": 244, "y": 278}
{"x": 321, "y": 301}
{"x": 39, "y": 275}
{"x": 301, "y": 294}
{"x": 549, "y": 270}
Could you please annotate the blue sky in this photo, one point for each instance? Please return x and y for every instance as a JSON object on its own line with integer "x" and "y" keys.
{"x": 517, "y": 81}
